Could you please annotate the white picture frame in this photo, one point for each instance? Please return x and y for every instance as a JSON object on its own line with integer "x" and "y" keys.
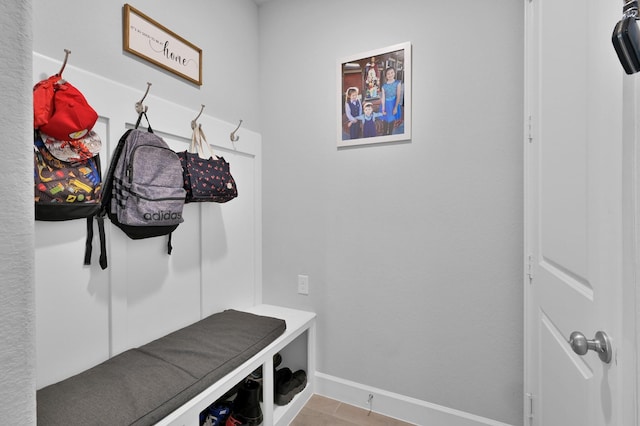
{"x": 367, "y": 73}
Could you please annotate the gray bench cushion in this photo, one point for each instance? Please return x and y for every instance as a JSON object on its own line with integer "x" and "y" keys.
{"x": 143, "y": 385}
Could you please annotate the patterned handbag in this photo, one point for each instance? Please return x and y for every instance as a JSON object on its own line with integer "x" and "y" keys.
{"x": 206, "y": 178}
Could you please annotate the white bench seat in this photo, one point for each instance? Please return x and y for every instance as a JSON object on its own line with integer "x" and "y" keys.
{"x": 172, "y": 379}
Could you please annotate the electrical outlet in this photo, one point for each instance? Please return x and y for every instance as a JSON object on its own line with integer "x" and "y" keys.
{"x": 303, "y": 284}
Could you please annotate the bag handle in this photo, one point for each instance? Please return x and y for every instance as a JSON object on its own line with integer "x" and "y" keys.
{"x": 198, "y": 143}
{"x": 149, "y": 129}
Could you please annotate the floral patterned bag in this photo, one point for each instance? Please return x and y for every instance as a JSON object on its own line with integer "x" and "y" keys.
{"x": 206, "y": 178}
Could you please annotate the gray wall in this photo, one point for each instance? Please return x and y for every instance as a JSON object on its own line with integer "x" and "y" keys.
{"x": 17, "y": 303}
{"x": 414, "y": 250}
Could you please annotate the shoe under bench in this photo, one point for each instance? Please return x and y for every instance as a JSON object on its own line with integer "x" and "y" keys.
{"x": 298, "y": 323}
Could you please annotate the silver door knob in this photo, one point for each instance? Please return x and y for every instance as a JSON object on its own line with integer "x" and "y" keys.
{"x": 600, "y": 344}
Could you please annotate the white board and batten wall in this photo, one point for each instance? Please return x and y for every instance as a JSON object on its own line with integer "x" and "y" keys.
{"x": 85, "y": 315}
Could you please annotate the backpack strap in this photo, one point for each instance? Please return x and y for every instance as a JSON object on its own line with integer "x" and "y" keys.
{"x": 149, "y": 129}
{"x": 108, "y": 180}
{"x": 103, "y": 242}
{"x": 107, "y": 184}
{"x": 88, "y": 247}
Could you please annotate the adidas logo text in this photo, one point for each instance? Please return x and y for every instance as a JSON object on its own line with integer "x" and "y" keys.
{"x": 162, "y": 215}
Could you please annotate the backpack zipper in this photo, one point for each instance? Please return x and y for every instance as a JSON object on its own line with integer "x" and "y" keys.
{"x": 155, "y": 199}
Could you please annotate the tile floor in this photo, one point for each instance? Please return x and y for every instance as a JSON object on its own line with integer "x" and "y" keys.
{"x": 323, "y": 411}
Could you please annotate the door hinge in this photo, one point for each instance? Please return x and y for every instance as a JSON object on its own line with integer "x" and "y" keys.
{"x": 530, "y": 408}
{"x": 530, "y": 268}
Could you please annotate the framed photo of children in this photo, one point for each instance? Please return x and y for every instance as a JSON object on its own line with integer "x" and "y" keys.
{"x": 374, "y": 96}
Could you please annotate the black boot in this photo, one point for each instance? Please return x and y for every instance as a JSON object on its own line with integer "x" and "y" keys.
{"x": 246, "y": 408}
{"x": 256, "y": 376}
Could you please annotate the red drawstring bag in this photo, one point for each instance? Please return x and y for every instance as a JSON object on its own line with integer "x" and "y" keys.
{"x": 43, "y": 93}
{"x": 72, "y": 116}
{"x": 60, "y": 110}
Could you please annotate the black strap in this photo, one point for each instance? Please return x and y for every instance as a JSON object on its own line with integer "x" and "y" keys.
{"x": 149, "y": 129}
{"x": 108, "y": 180}
{"x": 103, "y": 243}
{"x": 88, "y": 247}
{"x": 169, "y": 246}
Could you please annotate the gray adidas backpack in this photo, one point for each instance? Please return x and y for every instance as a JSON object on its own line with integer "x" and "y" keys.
{"x": 144, "y": 190}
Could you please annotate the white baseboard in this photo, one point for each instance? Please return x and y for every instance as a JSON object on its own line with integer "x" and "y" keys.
{"x": 401, "y": 407}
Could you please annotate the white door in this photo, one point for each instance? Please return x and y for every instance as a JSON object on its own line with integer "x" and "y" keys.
{"x": 574, "y": 216}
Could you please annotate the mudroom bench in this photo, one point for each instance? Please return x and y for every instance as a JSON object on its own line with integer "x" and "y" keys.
{"x": 169, "y": 381}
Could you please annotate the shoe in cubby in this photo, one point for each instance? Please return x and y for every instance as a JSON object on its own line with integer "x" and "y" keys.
{"x": 288, "y": 384}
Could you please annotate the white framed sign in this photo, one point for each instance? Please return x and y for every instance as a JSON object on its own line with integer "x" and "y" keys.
{"x": 153, "y": 42}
